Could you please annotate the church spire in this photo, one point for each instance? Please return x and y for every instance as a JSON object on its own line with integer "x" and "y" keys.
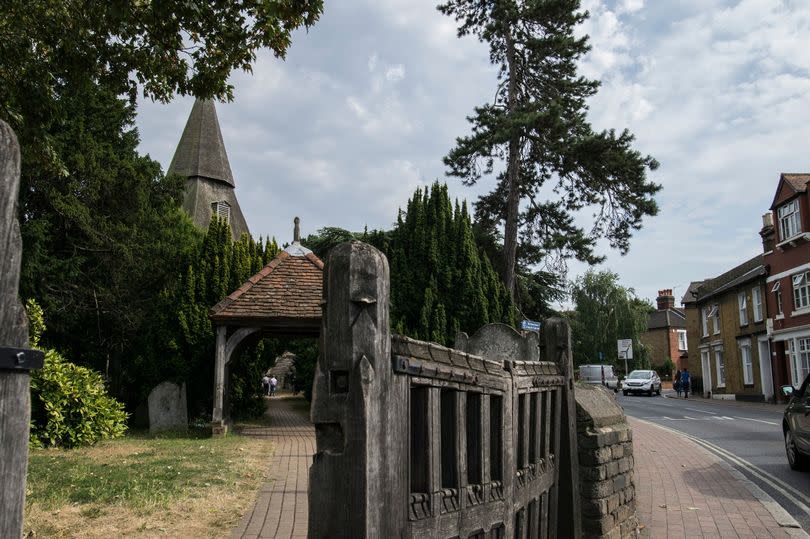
{"x": 201, "y": 151}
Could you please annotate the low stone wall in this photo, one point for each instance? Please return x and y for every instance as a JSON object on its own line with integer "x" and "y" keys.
{"x": 605, "y": 444}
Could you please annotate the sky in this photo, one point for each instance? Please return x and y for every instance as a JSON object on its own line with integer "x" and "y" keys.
{"x": 369, "y": 101}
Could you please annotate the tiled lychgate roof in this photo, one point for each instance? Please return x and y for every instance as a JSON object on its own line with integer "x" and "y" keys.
{"x": 288, "y": 291}
{"x": 745, "y": 272}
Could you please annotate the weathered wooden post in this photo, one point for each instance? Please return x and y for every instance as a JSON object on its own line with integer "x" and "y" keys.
{"x": 15, "y": 359}
{"x": 566, "y": 516}
{"x": 360, "y": 416}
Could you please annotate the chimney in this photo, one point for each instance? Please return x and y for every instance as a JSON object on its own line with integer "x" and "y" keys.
{"x": 768, "y": 233}
{"x": 665, "y": 299}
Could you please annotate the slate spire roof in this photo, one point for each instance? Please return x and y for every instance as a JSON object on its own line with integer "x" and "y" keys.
{"x": 286, "y": 294}
{"x": 201, "y": 151}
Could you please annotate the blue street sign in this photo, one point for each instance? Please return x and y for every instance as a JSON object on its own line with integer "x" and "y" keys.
{"x": 530, "y": 325}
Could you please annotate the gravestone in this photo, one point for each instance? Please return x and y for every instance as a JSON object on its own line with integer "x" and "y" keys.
{"x": 167, "y": 407}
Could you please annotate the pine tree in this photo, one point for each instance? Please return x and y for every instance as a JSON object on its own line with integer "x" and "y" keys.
{"x": 538, "y": 125}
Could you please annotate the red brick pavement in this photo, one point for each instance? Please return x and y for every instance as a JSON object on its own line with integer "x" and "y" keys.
{"x": 683, "y": 491}
{"x": 281, "y": 507}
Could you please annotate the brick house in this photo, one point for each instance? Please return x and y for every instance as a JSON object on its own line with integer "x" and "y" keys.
{"x": 666, "y": 332}
{"x": 786, "y": 243}
{"x": 726, "y": 330}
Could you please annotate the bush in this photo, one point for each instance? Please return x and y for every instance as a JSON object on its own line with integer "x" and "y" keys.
{"x": 666, "y": 370}
{"x": 69, "y": 404}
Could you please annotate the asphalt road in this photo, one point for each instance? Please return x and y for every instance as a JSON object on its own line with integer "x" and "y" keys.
{"x": 747, "y": 436}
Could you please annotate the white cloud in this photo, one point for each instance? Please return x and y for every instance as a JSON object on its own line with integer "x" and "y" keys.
{"x": 395, "y": 73}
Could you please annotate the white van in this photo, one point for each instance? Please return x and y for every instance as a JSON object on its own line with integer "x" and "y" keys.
{"x": 599, "y": 374}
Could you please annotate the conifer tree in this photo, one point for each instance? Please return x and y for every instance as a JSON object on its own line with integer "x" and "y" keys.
{"x": 536, "y": 140}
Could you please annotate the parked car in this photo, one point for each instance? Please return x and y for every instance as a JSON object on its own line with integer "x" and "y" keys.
{"x": 796, "y": 425}
{"x": 599, "y": 374}
{"x": 642, "y": 381}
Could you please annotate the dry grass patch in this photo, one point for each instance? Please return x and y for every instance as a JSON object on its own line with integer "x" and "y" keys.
{"x": 145, "y": 487}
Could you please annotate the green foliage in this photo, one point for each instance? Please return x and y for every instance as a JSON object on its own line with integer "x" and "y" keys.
{"x": 178, "y": 343}
{"x": 667, "y": 370}
{"x": 161, "y": 48}
{"x": 70, "y": 405}
{"x": 605, "y": 312}
{"x": 535, "y": 140}
{"x": 306, "y": 358}
{"x": 101, "y": 242}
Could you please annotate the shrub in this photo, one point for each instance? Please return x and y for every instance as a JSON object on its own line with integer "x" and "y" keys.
{"x": 70, "y": 405}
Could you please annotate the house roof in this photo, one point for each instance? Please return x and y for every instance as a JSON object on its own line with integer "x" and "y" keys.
{"x": 745, "y": 272}
{"x": 201, "y": 151}
{"x": 286, "y": 293}
{"x": 796, "y": 181}
{"x": 666, "y": 318}
{"x": 690, "y": 296}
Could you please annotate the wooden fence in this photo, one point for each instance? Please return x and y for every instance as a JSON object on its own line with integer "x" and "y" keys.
{"x": 418, "y": 440}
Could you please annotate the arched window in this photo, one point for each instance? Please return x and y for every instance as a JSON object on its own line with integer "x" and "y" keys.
{"x": 222, "y": 210}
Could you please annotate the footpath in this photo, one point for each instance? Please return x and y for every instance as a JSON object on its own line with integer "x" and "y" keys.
{"x": 682, "y": 490}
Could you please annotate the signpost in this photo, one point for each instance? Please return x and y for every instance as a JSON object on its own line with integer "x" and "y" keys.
{"x": 530, "y": 325}
{"x": 625, "y": 347}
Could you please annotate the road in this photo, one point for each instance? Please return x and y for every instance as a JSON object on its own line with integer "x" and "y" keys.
{"x": 747, "y": 436}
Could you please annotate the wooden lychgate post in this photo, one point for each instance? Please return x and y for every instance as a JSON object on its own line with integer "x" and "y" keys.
{"x": 15, "y": 360}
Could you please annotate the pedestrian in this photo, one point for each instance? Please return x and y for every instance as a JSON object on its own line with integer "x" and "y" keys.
{"x": 273, "y": 384}
{"x": 266, "y": 385}
{"x": 676, "y": 383}
{"x": 686, "y": 381}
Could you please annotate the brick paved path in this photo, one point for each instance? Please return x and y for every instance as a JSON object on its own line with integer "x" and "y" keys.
{"x": 683, "y": 491}
{"x": 281, "y": 507}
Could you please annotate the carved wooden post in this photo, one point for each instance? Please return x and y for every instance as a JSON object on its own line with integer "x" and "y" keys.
{"x": 15, "y": 360}
{"x": 357, "y": 488}
{"x": 558, "y": 348}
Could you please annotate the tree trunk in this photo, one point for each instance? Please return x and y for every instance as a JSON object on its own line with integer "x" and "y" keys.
{"x": 512, "y": 177}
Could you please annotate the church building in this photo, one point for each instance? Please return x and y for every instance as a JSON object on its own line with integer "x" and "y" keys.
{"x": 201, "y": 158}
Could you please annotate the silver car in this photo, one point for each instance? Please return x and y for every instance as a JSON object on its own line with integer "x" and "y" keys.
{"x": 642, "y": 381}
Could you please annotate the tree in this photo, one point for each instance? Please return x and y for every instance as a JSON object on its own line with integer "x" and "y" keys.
{"x": 605, "y": 312}
{"x": 549, "y": 163}
{"x": 103, "y": 240}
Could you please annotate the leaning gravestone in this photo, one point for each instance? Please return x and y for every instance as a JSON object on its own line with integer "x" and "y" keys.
{"x": 167, "y": 407}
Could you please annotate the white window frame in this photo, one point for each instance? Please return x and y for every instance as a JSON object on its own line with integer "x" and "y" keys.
{"x": 777, "y": 292}
{"x": 742, "y": 303}
{"x": 790, "y": 223}
{"x": 801, "y": 290}
{"x": 714, "y": 314}
{"x": 682, "y": 342}
{"x": 721, "y": 368}
{"x": 747, "y": 364}
{"x": 801, "y": 360}
{"x": 756, "y": 302}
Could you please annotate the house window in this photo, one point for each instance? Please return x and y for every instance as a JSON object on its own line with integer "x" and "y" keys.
{"x": 801, "y": 290}
{"x": 704, "y": 318}
{"x": 777, "y": 292}
{"x": 721, "y": 368}
{"x": 801, "y": 361}
{"x": 222, "y": 210}
{"x": 789, "y": 223}
{"x": 682, "y": 339}
{"x": 747, "y": 364}
{"x": 714, "y": 314}
{"x": 742, "y": 302}
{"x": 756, "y": 300}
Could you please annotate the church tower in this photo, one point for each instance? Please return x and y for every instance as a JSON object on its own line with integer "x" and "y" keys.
{"x": 201, "y": 158}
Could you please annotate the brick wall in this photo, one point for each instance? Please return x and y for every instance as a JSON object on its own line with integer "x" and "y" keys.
{"x": 605, "y": 445}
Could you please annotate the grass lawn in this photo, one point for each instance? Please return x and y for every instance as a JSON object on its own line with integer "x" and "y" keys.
{"x": 142, "y": 486}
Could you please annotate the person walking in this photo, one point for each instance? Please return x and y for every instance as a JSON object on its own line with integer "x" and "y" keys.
{"x": 266, "y": 385}
{"x": 686, "y": 380}
{"x": 676, "y": 382}
{"x": 273, "y": 384}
